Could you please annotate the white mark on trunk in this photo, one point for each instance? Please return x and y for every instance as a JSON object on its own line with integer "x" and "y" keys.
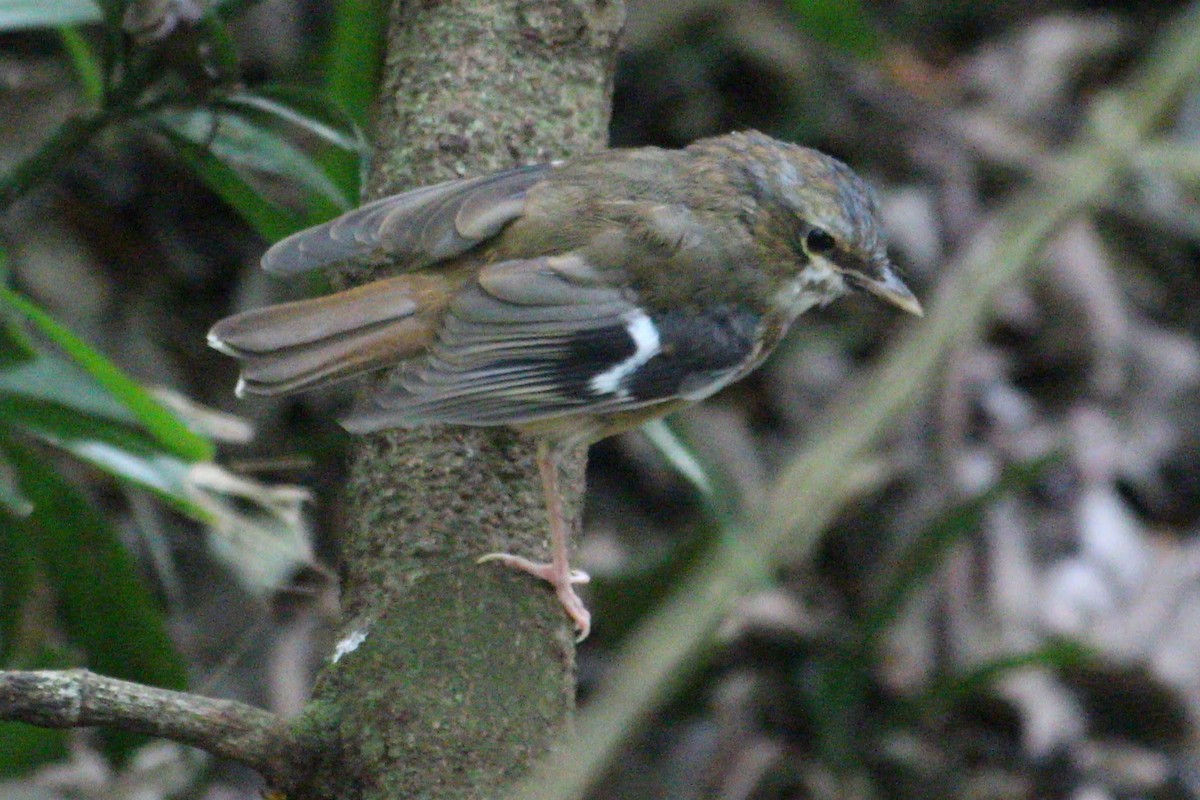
{"x": 348, "y": 645}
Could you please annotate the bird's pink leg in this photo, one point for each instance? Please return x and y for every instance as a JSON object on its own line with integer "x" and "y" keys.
{"x": 557, "y": 572}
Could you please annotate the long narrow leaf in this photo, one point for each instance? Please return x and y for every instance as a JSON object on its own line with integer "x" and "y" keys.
{"x": 270, "y": 220}
{"x": 49, "y": 379}
{"x": 345, "y": 162}
{"x": 307, "y": 110}
{"x": 352, "y": 65}
{"x": 924, "y": 554}
{"x": 1057, "y": 655}
{"x": 87, "y": 66}
{"x": 20, "y": 14}
{"x": 681, "y": 457}
{"x": 240, "y": 143}
{"x": 166, "y": 428}
{"x": 121, "y": 451}
{"x": 354, "y": 56}
{"x": 57, "y": 402}
{"x": 14, "y": 501}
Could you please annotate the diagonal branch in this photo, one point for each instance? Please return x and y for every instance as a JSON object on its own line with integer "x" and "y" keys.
{"x": 79, "y": 698}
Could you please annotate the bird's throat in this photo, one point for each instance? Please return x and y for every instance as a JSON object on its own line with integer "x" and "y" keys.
{"x": 819, "y": 283}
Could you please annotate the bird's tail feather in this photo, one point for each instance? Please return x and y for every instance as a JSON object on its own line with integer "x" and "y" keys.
{"x": 296, "y": 346}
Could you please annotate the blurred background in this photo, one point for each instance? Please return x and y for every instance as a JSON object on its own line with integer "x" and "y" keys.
{"x": 1007, "y": 607}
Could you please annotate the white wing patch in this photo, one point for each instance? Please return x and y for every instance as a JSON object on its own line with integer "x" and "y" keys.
{"x": 647, "y": 344}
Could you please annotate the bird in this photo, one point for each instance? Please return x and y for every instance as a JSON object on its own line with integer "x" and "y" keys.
{"x": 570, "y": 300}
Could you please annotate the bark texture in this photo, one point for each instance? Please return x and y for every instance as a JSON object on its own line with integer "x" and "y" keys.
{"x": 78, "y": 698}
{"x": 454, "y": 678}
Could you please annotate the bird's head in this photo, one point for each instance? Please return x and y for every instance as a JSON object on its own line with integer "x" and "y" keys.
{"x": 829, "y": 220}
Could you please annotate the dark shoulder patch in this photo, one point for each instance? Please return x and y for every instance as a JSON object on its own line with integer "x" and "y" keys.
{"x": 570, "y": 366}
{"x": 697, "y": 348}
{"x": 696, "y": 352}
{"x": 600, "y": 349}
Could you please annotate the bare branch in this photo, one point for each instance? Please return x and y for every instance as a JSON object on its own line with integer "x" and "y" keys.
{"x": 79, "y": 698}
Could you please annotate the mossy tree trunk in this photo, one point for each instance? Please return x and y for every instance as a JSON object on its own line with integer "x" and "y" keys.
{"x": 466, "y": 672}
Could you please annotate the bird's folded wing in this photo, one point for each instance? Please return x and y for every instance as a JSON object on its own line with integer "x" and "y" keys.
{"x": 540, "y": 338}
{"x": 413, "y": 229}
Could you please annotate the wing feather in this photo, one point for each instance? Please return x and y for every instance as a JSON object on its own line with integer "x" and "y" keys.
{"x": 541, "y": 338}
{"x": 414, "y": 229}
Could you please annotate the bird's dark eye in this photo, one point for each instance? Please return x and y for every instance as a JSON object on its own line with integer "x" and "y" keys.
{"x": 819, "y": 241}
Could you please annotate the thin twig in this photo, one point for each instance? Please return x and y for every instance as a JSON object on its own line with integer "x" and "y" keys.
{"x": 79, "y": 698}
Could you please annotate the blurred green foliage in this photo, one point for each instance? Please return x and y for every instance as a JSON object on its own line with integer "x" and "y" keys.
{"x": 61, "y": 396}
{"x": 842, "y": 24}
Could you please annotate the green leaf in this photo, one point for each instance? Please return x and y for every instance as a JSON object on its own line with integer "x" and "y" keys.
{"x": 270, "y": 220}
{"x": 18, "y": 568}
{"x": 344, "y": 163}
{"x": 50, "y": 379}
{"x": 716, "y": 487}
{"x": 105, "y": 609}
{"x": 16, "y": 503}
{"x": 55, "y": 401}
{"x": 15, "y": 347}
{"x": 19, "y": 14}
{"x": 163, "y": 425}
{"x": 1056, "y": 655}
{"x": 308, "y": 110}
{"x": 842, "y": 24}
{"x": 924, "y": 555}
{"x": 681, "y": 457}
{"x": 354, "y": 56}
{"x": 87, "y": 67}
{"x": 353, "y": 63}
{"x": 123, "y": 452}
{"x": 243, "y": 144}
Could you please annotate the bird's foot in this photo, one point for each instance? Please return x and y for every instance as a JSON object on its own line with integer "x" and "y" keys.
{"x": 561, "y": 578}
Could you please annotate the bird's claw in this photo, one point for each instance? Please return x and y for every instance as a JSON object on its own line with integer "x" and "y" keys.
{"x": 562, "y": 580}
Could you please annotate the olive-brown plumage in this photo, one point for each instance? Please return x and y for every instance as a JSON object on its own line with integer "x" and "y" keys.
{"x": 571, "y": 300}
